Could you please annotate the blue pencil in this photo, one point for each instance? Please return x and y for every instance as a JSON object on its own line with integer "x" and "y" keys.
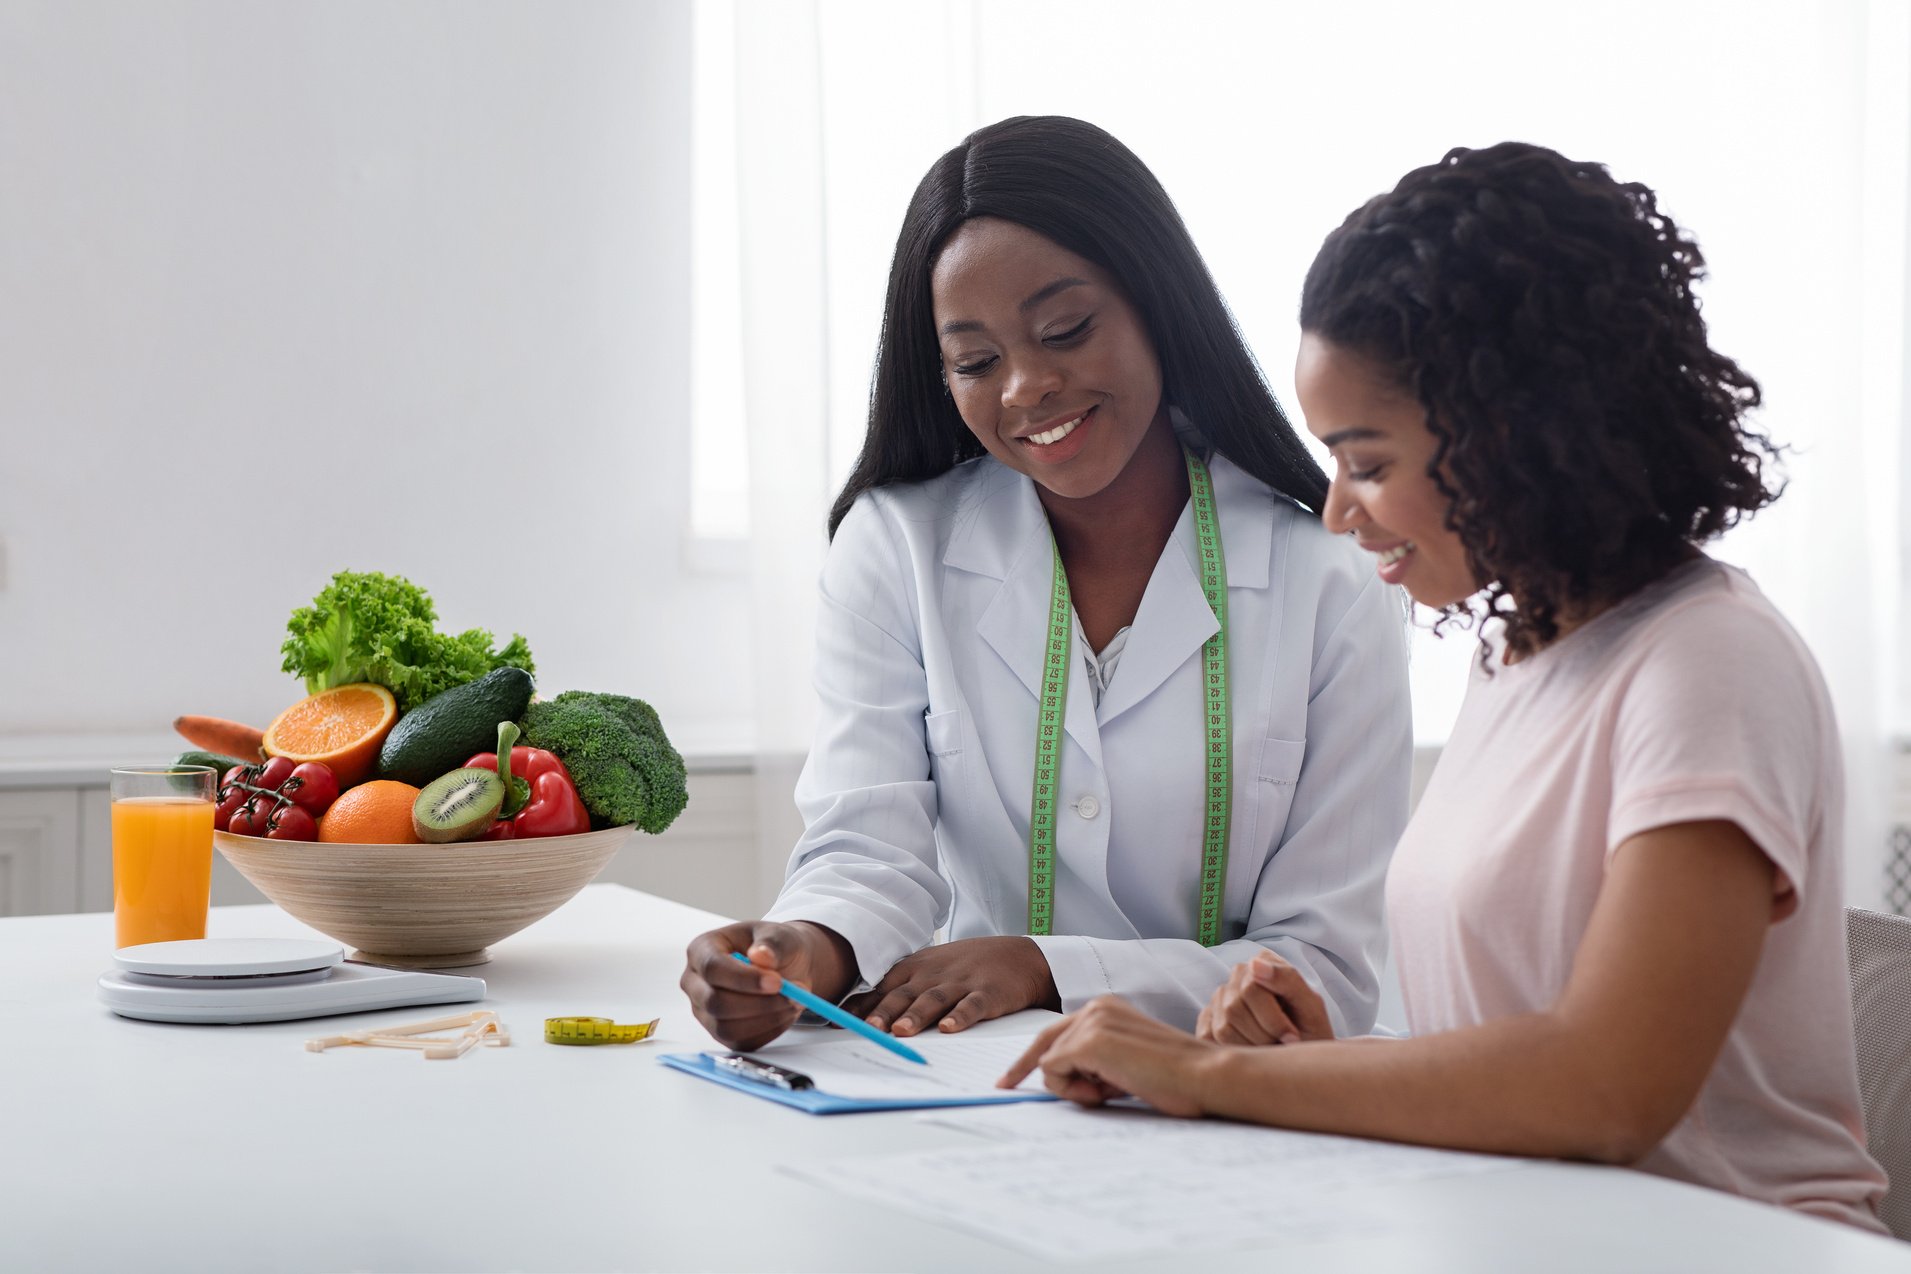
{"x": 848, "y": 1021}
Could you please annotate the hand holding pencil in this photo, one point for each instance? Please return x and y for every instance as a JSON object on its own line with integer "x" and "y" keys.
{"x": 733, "y": 977}
{"x": 848, "y": 1021}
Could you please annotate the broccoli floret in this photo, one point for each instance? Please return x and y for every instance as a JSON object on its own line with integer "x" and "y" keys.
{"x": 617, "y": 752}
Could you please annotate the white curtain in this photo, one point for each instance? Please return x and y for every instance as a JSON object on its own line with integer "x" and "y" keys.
{"x": 840, "y": 108}
{"x": 786, "y": 344}
{"x": 1775, "y": 132}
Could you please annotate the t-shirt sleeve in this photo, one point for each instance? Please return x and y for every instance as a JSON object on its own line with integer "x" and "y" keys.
{"x": 1724, "y": 717}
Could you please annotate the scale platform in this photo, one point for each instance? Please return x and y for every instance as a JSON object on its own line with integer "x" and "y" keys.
{"x": 236, "y": 980}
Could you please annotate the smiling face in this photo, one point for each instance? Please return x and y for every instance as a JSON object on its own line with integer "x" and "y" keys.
{"x": 1046, "y": 359}
{"x": 1381, "y": 490}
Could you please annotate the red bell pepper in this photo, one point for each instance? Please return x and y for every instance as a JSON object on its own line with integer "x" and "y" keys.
{"x": 554, "y": 807}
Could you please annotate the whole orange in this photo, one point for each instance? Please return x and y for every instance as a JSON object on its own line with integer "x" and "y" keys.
{"x": 375, "y": 813}
{"x": 342, "y": 727}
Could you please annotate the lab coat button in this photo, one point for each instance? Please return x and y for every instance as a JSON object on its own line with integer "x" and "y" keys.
{"x": 1088, "y": 807}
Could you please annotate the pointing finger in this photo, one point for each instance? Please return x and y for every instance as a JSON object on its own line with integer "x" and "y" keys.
{"x": 1020, "y": 1068}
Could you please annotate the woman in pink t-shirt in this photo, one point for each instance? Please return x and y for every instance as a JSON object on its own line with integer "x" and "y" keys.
{"x": 1618, "y": 909}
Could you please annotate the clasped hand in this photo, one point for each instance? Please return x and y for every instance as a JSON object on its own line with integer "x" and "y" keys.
{"x": 1264, "y": 1001}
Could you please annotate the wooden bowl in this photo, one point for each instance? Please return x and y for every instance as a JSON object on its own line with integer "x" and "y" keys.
{"x": 422, "y": 906}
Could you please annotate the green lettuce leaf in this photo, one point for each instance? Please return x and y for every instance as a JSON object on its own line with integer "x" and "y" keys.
{"x": 367, "y": 626}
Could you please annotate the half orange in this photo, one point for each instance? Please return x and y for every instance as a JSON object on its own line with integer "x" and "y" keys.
{"x": 341, "y": 727}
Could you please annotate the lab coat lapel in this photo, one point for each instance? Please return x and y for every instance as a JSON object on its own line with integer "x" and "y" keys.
{"x": 1006, "y": 536}
{"x": 1174, "y": 620}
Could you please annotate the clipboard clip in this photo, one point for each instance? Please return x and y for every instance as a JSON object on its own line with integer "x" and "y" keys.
{"x": 764, "y": 1072}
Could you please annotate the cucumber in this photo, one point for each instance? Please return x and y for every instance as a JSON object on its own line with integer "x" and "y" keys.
{"x": 444, "y": 731}
{"x": 220, "y": 764}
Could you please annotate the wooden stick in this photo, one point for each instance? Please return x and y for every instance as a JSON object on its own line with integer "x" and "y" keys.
{"x": 435, "y": 1024}
{"x": 451, "y": 1049}
{"x": 481, "y": 1026}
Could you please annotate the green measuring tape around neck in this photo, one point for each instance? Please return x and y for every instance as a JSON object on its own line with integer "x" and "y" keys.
{"x": 1052, "y": 705}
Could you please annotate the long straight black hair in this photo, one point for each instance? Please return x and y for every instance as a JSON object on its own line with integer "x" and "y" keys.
{"x": 1075, "y": 185}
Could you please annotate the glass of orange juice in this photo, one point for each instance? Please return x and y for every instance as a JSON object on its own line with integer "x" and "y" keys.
{"x": 162, "y": 852}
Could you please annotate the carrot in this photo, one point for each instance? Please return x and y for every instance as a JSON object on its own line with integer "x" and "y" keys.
{"x": 216, "y": 734}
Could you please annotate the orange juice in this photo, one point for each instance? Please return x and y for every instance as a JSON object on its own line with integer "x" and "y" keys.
{"x": 162, "y": 868}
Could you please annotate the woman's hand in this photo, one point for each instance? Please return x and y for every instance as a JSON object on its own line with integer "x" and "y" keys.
{"x": 739, "y": 1004}
{"x": 1112, "y": 1049}
{"x": 958, "y": 984}
{"x": 1264, "y": 1001}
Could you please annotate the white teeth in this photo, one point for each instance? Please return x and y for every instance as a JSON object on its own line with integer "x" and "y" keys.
{"x": 1389, "y": 556}
{"x": 1056, "y": 434}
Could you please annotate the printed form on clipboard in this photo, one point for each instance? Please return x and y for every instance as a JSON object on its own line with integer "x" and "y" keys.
{"x": 827, "y": 1072}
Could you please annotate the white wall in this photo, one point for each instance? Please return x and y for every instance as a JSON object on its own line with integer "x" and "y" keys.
{"x": 287, "y": 289}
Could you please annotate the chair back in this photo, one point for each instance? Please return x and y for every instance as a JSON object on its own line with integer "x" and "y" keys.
{"x": 1880, "y": 948}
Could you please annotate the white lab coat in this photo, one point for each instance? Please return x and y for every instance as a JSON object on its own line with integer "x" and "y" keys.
{"x": 929, "y": 653}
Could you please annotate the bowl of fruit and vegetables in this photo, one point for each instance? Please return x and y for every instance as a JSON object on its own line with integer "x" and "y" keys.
{"x": 418, "y": 804}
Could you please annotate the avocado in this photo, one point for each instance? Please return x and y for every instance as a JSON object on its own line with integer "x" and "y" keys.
{"x": 444, "y": 731}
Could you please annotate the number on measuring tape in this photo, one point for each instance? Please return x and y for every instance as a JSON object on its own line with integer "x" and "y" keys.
{"x": 1052, "y": 703}
{"x": 596, "y": 1030}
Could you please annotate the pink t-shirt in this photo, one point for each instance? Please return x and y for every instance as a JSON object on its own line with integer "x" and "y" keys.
{"x": 1691, "y": 700}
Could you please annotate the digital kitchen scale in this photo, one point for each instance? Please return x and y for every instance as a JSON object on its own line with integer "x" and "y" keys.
{"x": 234, "y": 980}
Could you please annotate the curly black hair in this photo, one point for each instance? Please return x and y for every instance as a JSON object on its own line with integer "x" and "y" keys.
{"x": 1543, "y": 314}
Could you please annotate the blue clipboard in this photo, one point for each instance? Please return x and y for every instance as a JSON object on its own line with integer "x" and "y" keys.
{"x": 816, "y": 1102}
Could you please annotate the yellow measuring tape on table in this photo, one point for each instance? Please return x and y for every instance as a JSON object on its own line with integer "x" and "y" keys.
{"x": 596, "y": 1030}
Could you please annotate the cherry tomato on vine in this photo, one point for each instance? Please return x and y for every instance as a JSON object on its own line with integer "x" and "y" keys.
{"x": 290, "y": 822}
{"x": 275, "y": 772}
{"x": 231, "y": 797}
{"x": 250, "y": 818}
{"x": 312, "y": 786}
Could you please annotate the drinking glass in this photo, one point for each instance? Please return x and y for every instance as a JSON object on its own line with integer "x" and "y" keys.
{"x": 162, "y": 852}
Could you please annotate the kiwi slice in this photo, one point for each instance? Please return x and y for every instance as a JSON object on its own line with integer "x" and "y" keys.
{"x": 460, "y": 805}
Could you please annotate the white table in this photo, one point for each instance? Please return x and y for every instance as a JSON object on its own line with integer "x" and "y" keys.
{"x": 137, "y": 1146}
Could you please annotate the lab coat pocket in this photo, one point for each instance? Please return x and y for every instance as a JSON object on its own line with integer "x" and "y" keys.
{"x": 1279, "y": 774}
{"x": 943, "y": 733}
{"x": 956, "y": 817}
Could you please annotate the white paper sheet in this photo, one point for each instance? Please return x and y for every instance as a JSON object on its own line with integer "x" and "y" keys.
{"x": 848, "y": 1066}
{"x": 1072, "y": 1185}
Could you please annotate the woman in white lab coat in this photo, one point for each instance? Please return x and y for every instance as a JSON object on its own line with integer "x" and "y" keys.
{"x": 1042, "y": 733}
